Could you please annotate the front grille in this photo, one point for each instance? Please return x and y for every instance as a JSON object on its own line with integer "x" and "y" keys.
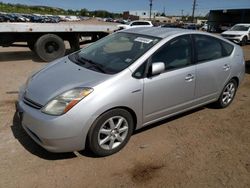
{"x": 32, "y": 103}
{"x": 229, "y": 36}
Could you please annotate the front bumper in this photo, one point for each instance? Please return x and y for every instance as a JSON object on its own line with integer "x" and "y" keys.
{"x": 237, "y": 39}
{"x": 54, "y": 133}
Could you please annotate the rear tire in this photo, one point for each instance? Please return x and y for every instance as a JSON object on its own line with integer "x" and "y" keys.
{"x": 110, "y": 132}
{"x": 227, "y": 94}
{"x": 50, "y": 47}
{"x": 244, "y": 41}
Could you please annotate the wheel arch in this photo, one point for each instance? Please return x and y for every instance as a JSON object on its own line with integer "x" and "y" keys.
{"x": 236, "y": 79}
{"x": 131, "y": 111}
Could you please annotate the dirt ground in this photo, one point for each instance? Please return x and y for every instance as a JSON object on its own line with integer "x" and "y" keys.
{"x": 203, "y": 148}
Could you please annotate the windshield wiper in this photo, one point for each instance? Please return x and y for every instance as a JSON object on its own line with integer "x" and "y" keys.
{"x": 79, "y": 59}
{"x": 97, "y": 66}
{"x": 83, "y": 61}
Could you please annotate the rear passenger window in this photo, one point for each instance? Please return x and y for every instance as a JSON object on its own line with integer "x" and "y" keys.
{"x": 227, "y": 48}
{"x": 207, "y": 48}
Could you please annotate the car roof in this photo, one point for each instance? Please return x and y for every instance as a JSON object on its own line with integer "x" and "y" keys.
{"x": 160, "y": 32}
{"x": 141, "y": 21}
{"x": 245, "y": 24}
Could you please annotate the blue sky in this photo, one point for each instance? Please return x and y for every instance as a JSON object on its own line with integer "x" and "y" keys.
{"x": 172, "y": 7}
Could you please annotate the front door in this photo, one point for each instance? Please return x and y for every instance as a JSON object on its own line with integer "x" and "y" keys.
{"x": 174, "y": 89}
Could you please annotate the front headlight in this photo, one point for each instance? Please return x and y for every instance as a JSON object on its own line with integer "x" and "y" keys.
{"x": 64, "y": 102}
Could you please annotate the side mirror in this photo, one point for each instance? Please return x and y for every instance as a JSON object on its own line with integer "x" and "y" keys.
{"x": 157, "y": 68}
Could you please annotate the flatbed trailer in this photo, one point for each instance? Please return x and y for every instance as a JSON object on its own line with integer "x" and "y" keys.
{"x": 47, "y": 39}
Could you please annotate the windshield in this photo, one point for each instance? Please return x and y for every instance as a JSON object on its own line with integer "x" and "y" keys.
{"x": 114, "y": 53}
{"x": 239, "y": 28}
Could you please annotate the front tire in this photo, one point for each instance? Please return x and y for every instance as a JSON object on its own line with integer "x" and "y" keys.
{"x": 228, "y": 94}
{"x": 110, "y": 132}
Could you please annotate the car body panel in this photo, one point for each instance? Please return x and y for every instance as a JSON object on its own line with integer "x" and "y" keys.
{"x": 211, "y": 77}
{"x": 168, "y": 93}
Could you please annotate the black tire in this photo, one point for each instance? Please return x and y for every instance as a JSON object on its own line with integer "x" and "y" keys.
{"x": 244, "y": 41}
{"x": 221, "y": 103}
{"x": 50, "y": 47}
{"x": 95, "y": 134}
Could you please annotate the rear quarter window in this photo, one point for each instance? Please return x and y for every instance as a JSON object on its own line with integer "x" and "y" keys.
{"x": 227, "y": 48}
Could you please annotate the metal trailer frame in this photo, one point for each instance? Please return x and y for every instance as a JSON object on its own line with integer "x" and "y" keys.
{"x": 47, "y": 39}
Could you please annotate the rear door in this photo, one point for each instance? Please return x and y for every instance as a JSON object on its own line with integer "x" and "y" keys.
{"x": 172, "y": 90}
{"x": 213, "y": 67}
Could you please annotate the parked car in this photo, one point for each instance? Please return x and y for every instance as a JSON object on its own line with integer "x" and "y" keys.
{"x": 239, "y": 33}
{"x": 2, "y": 18}
{"x": 191, "y": 26}
{"x": 138, "y": 23}
{"x": 8, "y": 18}
{"x": 36, "y": 19}
{"x": 169, "y": 25}
{"x": 55, "y": 19}
{"x": 99, "y": 95}
{"x": 204, "y": 27}
{"x": 108, "y": 19}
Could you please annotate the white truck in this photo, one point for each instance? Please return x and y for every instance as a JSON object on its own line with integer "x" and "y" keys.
{"x": 47, "y": 39}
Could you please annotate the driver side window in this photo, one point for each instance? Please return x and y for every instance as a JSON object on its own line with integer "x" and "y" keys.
{"x": 175, "y": 54}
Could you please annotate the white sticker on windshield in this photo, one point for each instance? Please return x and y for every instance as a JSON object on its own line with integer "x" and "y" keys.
{"x": 143, "y": 40}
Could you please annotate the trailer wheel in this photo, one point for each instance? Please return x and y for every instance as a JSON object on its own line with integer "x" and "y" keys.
{"x": 50, "y": 47}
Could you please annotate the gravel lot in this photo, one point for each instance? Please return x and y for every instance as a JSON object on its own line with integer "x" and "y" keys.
{"x": 203, "y": 148}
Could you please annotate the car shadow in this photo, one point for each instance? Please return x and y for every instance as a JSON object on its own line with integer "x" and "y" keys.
{"x": 248, "y": 67}
{"x": 19, "y": 56}
{"x": 22, "y": 55}
{"x": 20, "y": 134}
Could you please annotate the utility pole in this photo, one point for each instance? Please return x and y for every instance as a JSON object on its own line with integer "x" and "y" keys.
{"x": 150, "y": 8}
{"x": 194, "y": 7}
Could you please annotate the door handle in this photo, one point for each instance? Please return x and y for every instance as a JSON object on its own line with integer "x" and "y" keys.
{"x": 226, "y": 67}
{"x": 189, "y": 77}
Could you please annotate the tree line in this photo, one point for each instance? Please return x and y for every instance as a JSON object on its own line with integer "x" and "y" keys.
{"x": 25, "y": 9}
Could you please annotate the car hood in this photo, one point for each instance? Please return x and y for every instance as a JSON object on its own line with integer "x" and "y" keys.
{"x": 58, "y": 77}
{"x": 234, "y": 32}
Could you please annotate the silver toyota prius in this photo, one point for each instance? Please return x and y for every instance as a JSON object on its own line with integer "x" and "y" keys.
{"x": 98, "y": 96}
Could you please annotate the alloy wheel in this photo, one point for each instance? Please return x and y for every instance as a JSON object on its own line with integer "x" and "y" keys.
{"x": 228, "y": 93}
{"x": 113, "y": 132}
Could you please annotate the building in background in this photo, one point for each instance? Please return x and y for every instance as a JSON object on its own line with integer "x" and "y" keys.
{"x": 139, "y": 15}
{"x": 220, "y": 20}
